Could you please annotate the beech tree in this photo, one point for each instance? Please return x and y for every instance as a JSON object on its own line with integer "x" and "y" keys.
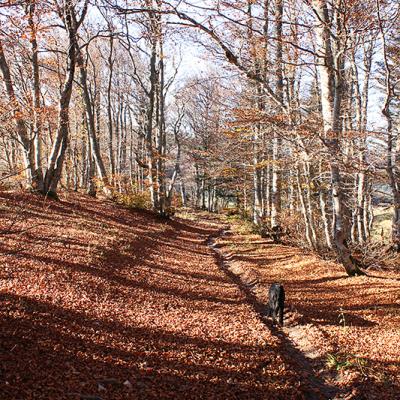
{"x": 391, "y": 93}
{"x": 46, "y": 182}
{"x": 279, "y": 130}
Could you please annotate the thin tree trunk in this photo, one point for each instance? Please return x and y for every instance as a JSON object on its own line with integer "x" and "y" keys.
{"x": 304, "y": 211}
{"x": 109, "y": 110}
{"x": 257, "y": 207}
{"x": 91, "y": 125}
{"x": 37, "y": 111}
{"x": 277, "y": 141}
{"x": 149, "y": 129}
{"x": 183, "y": 194}
{"x": 309, "y": 205}
{"x": 21, "y": 131}
{"x": 56, "y": 160}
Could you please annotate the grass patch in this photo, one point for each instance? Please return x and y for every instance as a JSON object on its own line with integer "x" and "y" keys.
{"x": 382, "y": 224}
{"x": 341, "y": 362}
{"x": 239, "y": 225}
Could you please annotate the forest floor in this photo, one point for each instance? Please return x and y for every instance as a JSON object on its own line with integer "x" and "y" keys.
{"x": 101, "y": 302}
{"x": 347, "y": 328}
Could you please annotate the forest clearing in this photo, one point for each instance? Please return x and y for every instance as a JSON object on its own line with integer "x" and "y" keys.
{"x": 102, "y": 302}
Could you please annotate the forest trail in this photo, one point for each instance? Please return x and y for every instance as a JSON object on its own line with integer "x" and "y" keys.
{"x": 294, "y": 351}
{"x": 352, "y": 324}
{"x": 101, "y": 302}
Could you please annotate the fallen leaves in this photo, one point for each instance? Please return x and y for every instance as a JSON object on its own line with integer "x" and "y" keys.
{"x": 98, "y": 294}
{"x": 329, "y": 313}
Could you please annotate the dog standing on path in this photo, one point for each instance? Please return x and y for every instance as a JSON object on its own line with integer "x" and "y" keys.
{"x": 276, "y": 296}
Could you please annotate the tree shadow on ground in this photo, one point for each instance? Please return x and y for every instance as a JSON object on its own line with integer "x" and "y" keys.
{"x": 64, "y": 354}
{"x": 313, "y": 387}
{"x": 120, "y": 266}
{"x": 120, "y": 279}
{"x": 317, "y": 303}
{"x": 314, "y": 384}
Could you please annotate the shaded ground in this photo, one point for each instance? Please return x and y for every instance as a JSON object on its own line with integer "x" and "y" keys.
{"x": 99, "y": 302}
{"x": 352, "y": 322}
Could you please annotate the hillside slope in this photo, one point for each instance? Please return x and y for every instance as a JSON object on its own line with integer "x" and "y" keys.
{"x": 99, "y": 302}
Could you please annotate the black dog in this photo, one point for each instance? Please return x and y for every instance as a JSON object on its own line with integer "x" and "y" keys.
{"x": 276, "y": 302}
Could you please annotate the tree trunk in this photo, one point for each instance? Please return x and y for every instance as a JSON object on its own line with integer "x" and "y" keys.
{"x": 20, "y": 125}
{"x": 277, "y": 141}
{"x": 37, "y": 111}
{"x": 304, "y": 211}
{"x": 56, "y": 160}
{"x": 91, "y": 125}
{"x": 109, "y": 110}
{"x": 393, "y": 151}
{"x": 183, "y": 194}
{"x": 149, "y": 129}
{"x": 258, "y": 212}
{"x": 330, "y": 69}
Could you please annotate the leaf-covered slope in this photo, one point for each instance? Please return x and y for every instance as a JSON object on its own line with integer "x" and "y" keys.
{"x": 357, "y": 320}
{"x": 100, "y": 301}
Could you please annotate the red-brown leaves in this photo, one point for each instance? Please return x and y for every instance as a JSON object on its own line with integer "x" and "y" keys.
{"x": 96, "y": 295}
{"x": 355, "y": 320}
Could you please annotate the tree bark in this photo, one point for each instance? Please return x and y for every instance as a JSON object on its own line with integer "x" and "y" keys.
{"x": 37, "y": 178}
{"x": 57, "y": 155}
{"x": 330, "y": 69}
{"x": 109, "y": 110}
{"x": 393, "y": 151}
{"x": 94, "y": 144}
{"x": 277, "y": 141}
{"x": 20, "y": 124}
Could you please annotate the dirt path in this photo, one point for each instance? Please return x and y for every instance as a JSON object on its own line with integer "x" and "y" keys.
{"x": 98, "y": 302}
{"x": 352, "y": 323}
{"x": 296, "y": 350}
{"x": 101, "y": 303}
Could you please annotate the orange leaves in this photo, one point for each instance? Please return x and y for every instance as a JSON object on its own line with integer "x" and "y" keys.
{"x": 251, "y": 116}
{"x": 103, "y": 301}
{"x": 18, "y": 115}
{"x": 353, "y": 325}
{"x": 100, "y": 296}
{"x": 229, "y": 172}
